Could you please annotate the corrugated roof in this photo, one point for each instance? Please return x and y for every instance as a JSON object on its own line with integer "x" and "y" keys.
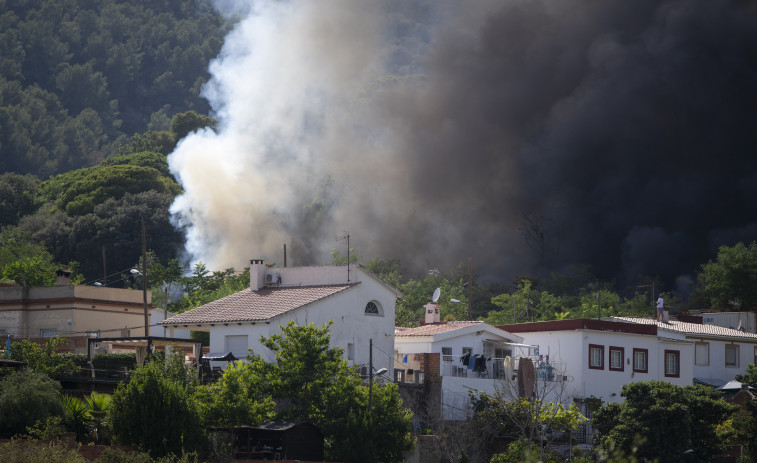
{"x": 433, "y": 328}
{"x": 264, "y": 304}
{"x": 691, "y": 328}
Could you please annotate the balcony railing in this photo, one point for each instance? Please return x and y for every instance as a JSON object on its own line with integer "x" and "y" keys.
{"x": 496, "y": 368}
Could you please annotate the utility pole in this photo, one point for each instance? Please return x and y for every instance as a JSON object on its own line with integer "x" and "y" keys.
{"x": 144, "y": 278}
{"x": 470, "y": 288}
{"x": 370, "y": 376}
{"x": 105, "y": 269}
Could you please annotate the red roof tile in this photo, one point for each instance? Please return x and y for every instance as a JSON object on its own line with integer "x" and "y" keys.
{"x": 433, "y": 328}
{"x": 261, "y": 305}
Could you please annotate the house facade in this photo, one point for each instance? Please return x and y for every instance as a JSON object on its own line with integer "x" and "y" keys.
{"x": 76, "y": 312}
{"x": 597, "y": 357}
{"x": 359, "y": 305}
{"x": 447, "y": 360}
{"x": 719, "y": 353}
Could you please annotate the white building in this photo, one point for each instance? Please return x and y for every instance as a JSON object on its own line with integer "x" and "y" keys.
{"x": 458, "y": 357}
{"x": 360, "y": 304}
{"x": 719, "y": 353}
{"x": 598, "y": 357}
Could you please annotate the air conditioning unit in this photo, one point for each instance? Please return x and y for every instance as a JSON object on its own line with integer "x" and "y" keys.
{"x": 272, "y": 278}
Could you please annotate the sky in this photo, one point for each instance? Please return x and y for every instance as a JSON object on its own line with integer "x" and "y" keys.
{"x": 530, "y": 136}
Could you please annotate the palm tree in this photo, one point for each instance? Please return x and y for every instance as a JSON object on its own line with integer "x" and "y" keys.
{"x": 97, "y": 406}
{"x": 75, "y": 416}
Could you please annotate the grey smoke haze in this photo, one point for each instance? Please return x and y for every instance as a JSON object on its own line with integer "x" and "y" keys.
{"x": 528, "y": 135}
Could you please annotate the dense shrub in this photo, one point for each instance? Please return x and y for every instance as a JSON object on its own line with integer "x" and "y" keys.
{"x": 25, "y": 398}
{"x": 156, "y": 413}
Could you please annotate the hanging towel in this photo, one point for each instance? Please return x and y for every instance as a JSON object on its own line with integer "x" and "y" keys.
{"x": 404, "y": 359}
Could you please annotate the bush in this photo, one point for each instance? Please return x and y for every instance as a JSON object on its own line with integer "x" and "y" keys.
{"x": 25, "y": 398}
{"x": 156, "y": 413}
{"x": 34, "y": 452}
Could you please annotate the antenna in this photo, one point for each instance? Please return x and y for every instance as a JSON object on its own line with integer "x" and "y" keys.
{"x": 437, "y": 293}
{"x": 346, "y": 236}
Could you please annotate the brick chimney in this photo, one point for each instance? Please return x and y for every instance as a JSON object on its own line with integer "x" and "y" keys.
{"x": 257, "y": 274}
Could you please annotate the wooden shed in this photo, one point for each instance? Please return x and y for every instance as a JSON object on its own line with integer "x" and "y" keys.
{"x": 276, "y": 441}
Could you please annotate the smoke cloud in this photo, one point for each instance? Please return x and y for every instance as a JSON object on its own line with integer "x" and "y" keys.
{"x": 527, "y": 135}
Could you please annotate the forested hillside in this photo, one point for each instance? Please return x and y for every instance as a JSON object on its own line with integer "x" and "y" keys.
{"x": 93, "y": 96}
{"x": 78, "y": 78}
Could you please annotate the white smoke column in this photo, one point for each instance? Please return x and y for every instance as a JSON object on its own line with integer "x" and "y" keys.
{"x": 280, "y": 89}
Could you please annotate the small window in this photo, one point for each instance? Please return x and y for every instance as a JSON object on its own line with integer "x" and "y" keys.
{"x": 616, "y": 358}
{"x": 372, "y": 308}
{"x": 51, "y": 333}
{"x": 640, "y": 364}
{"x": 467, "y": 350}
{"x": 732, "y": 355}
{"x": 125, "y": 333}
{"x": 672, "y": 363}
{"x": 702, "y": 353}
{"x": 350, "y": 351}
{"x": 447, "y": 354}
{"x": 596, "y": 357}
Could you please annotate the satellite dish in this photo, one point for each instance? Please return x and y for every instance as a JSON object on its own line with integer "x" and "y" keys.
{"x": 437, "y": 293}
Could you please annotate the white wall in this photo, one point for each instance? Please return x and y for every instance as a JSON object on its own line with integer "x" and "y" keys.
{"x": 716, "y": 369}
{"x": 351, "y": 324}
{"x": 570, "y": 349}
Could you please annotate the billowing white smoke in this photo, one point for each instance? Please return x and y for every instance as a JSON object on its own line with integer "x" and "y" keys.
{"x": 282, "y": 91}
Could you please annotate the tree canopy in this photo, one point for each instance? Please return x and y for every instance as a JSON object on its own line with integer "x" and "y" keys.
{"x": 310, "y": 381}
{"x": 670, "y": 420}
{"x": 729, "y": 282}
{"x": 78, "y": 78}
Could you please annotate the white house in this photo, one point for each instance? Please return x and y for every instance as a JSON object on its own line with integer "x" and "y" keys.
{"x": 719, "y": 353}
{"x": 459, "y": 356}
{"x": 360, "y": 304}
{"x": 597, "y": 357}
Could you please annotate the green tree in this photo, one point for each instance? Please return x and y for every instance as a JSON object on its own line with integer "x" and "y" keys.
{"x": 112, "y": 182}
{"x": 184, "y": 123}
{"x": 310, "y": 381}
{"x": 44, "y": 359}
{"x": 527, "y": 303}
{"x": 25, "y": 398}
{"x": 670, "y": 419}
{"x": 505, "y": 416}
{"x": 16, "y": 244}
{"x": 745, "y": 421}
{"x": 114, "y": 225}
{"x": 17, "y": 194}
{"x": 730, "y": 281}
{"x": 75, "y": 416}
{"x": 156, "y": 413}
{"x": 30, "y": 271}
{"x": 97, "y": 406}
{"x": 236, "y": 399}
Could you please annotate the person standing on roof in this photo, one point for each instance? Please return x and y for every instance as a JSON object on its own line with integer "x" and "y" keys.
{"x": 659, "y": 308}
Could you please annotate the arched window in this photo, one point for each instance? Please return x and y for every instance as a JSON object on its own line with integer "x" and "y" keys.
{"x": 373, "y": 308}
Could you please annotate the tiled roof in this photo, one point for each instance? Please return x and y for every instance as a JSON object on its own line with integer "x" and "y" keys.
{"x": 432, "y": 328}
{"x": 691, "y": 328}
{"x": 263, "y": 304}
